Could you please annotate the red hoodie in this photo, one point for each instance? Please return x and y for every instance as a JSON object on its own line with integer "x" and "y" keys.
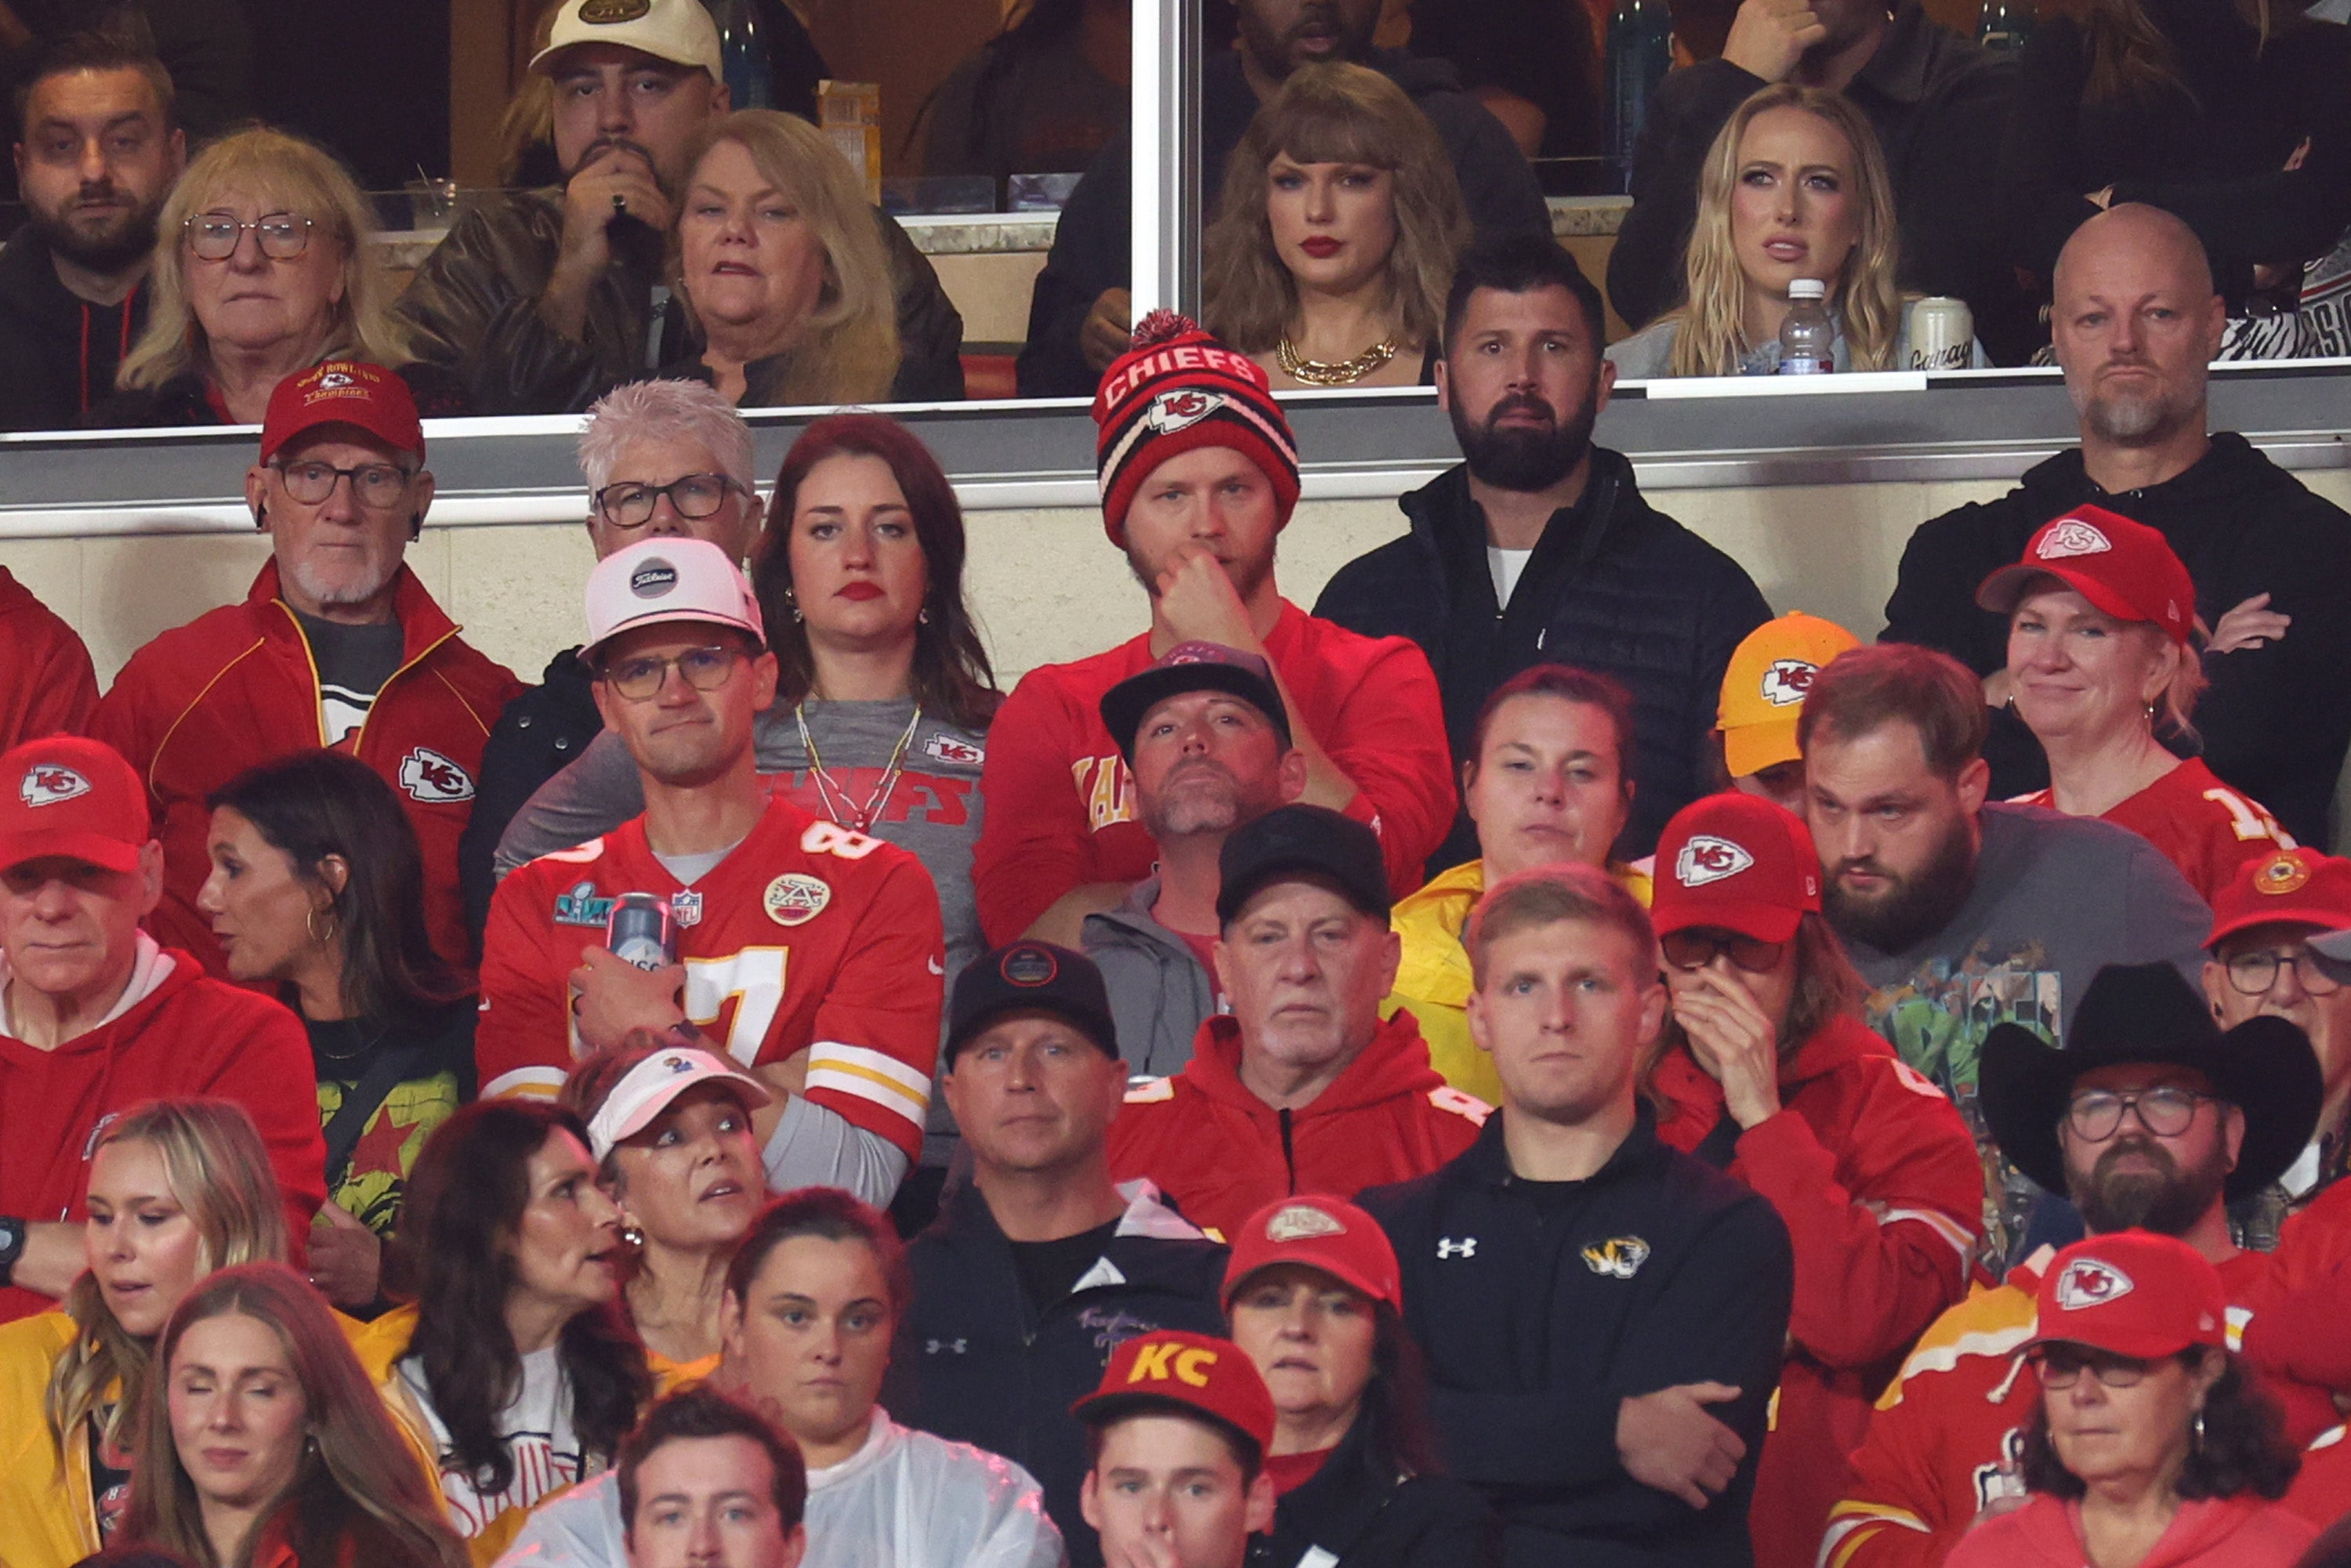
{"x": 186, "y": 1035}
{"x": 1220, "y": 1153}
{"x": 1061, "y": 802}
{"x": 2218, "y": 1532}
{"x": 50, "y": 688}
{"x": 1879, "y": 1184}
{"x": 236, "y": 687}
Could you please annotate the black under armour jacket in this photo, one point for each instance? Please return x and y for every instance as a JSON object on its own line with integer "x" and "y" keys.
{"x": 1613, "y": 585}
{"x": 989, "y": 1369}
{"x": 1356, "y": 1512}
{"x": 2276, "y": 720}
{"x": 1541, "y": 1306}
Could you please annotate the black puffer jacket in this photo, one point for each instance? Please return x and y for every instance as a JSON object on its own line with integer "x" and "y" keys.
{"x": 1615, "y": 585}
{"x": 474, "y": 306}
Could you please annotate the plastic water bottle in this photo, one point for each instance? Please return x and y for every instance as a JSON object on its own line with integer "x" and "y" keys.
{"x": 1640, "y": 52}
{"x": 743, "y": 53}
{"x": 1807, "y": 336}
{"x": 2005, "y": 26}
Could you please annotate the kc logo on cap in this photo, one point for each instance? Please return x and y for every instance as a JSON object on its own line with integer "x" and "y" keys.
{"x": 2072, "y": 536}
{"x": 1707, "y": 858}
{"x": 2088, "y": 1283}
{"x": 1182, "y": 409}
{"x": 1157, "y": 1361}
{"x": 1301, "y": 1222}
{"x": 46, "y": 784}
{"x": 2279, "y": 875}
{"x": 1789, "y": 682}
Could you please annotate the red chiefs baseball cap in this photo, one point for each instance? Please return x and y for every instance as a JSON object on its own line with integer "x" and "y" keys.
{"x": 2132, "y": 1293}
{"x": 72, "y": 797}
{"x": 1735, "y": 862}
{"x": 1325, "y": 1233}
{"x": 2124, "y": 568}
{"x": 1212, "y": 1377}
{"x": 343, "y": 392}
{"x": 2293, "y": 887}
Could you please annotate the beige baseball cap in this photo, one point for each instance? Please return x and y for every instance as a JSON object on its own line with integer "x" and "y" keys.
{"x": 678, "y": 31}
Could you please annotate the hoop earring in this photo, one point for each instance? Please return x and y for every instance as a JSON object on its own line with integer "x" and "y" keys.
{"x": 310, "y": 923}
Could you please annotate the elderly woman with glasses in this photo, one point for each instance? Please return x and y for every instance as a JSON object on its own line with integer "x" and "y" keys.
{"x": 262, "y": 268}
{"x": 2151, "y": 1445}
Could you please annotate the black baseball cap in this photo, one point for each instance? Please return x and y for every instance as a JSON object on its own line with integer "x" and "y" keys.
{"x": 1193, "y": 667}
{"x": 1312, "y": 840}
{"x": 1029, "y": 976}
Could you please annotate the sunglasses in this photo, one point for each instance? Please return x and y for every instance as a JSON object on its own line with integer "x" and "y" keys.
{"x": 1696, "y": 948}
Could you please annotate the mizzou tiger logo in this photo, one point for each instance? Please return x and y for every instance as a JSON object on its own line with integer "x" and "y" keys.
{"x": 1619, "y": 1257}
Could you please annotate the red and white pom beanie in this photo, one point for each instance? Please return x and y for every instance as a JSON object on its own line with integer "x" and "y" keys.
{"x": 1177, "y": 388}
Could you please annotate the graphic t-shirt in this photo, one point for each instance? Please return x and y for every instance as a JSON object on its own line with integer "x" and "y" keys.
{"x": 537, "y": 1427}
{"x": 440, "y": 1078}
{"x": 109, "y": 1477}
{"x": 353, "y": 663}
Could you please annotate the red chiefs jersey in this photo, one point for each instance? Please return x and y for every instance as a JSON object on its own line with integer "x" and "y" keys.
{"x": 186, "y": 1035}
{"x": 2201, "y": 825}
{"x": 806, "y": 937}
{"x": 50, "y": 688}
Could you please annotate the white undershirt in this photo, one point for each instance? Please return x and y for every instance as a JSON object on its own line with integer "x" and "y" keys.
{"x": 1507, "y": 565}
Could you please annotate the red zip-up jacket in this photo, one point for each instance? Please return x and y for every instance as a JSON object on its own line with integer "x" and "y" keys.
{"x": 1878, "y": 1182}
{"x": 49, "y": 687}
{"x": 236, "y": 687}
{"x": 187, "y": 1035}
{"x": 1221, "y": 1153}
{"x": 1061, "y": 802}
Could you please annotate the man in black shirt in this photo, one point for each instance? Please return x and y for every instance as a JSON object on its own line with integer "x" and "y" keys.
{"x": 96, "y": 153}
{"x": 1038, "y": 1268}
{"x": 1603, "y": 1315}
{"x": 1080, "y": 313}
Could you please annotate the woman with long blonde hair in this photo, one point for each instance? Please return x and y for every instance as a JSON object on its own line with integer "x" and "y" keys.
{"x": 178, "y": 1190}
{"x": 1794, "y": 187}
{"x": 262, "y": 268}
{"x": 1334, "y": 244}
{"x": 264, "y": 1442}
{"x": 783, "y": 268}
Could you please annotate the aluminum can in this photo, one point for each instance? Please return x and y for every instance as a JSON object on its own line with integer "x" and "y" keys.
{"x": 1942, "y": 334}
{"x": 640, "y": 930}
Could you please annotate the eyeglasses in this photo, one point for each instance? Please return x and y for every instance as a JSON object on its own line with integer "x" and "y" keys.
{"x": 378, "y": 486}
{"x": 704, "y": 669}
{"x": 629, "y": 505}
{"x": 2252, "y": 974}
{"x": 2061, "y": 1366}
{"x": 213, "y": 237}
{"x": 2164, "y": 1111}
{"x": 1695, "y": 949}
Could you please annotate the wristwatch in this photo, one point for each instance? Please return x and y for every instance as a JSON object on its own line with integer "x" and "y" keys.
{"x": 11, "y": 1246}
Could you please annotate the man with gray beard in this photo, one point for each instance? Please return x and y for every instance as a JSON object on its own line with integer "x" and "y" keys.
{"x": 1207, "y": 737}
{"x": 336, "y": 644}
{"x": 2136, "y": 324}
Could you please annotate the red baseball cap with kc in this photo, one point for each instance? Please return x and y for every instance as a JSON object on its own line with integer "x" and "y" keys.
{"x": 2132, "y": 1293}
{"x": 1213, "y": 1376}
{"x": 74, "y": 798}
{"x": 1735, "y": 862}
{"x": 343, "y": 392}
{"x": 1325, "y": 1233}
{"x": 2292, "y": 887}
{"x": 2126, "y": 568}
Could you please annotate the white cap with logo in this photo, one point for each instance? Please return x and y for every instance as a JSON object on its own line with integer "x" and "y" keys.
{"x": 678, "y": 31}
{"x": 646, "y": 1090}
{"x": 665, "y": 580}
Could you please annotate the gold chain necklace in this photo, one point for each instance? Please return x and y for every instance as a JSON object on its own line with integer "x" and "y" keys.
{"x": 1332, "y": 373}
{"x": 838, "y": 803}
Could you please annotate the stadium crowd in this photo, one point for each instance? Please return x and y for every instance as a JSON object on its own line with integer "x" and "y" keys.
{"x": 1535, "y": 1062}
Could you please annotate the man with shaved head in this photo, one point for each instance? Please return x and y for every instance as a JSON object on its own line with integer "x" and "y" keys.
{"x": 2136, "y": 323}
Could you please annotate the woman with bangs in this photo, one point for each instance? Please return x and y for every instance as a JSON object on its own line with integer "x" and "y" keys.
{"x": 178, "y": 1188}
{"x": 1335, "y": 245}
{"x": 262, "y": 268}
{"x": 1794, "y": 187}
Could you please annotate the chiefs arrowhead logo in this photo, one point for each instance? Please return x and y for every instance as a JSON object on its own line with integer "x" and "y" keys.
{"x": 1172, "y": 411}
{"x": 1707, "y": 859}
{"x": 1301, "y": 1222}
{"x": 46, "y": 784}
{"x": 2086, "y": 1282}
{"x": 2069, "y": 537}
{"x": 430, "y": 777}
{"x": 956, "y": 753}
{"x": 1789, "y": 682}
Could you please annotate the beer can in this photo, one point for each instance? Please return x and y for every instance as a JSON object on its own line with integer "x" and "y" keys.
{"x": 640, "y": 930}
{"x": 1942, "y": 334}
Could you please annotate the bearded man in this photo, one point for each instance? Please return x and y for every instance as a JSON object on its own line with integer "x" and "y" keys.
{"x": 1538, "y": 547}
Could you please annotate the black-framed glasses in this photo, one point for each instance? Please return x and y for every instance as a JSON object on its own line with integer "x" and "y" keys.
{"x": 1696, "y": 948}
{"x": 629, "y": 505}
{"x": 2061, "y": 1366}
{"x": 2164, "y": 1110}
{"x": 2252, "y": 974}
{"x": 379, "y": 486}
{"x": 213, "y": 237}
{"x": 704, "y": 669}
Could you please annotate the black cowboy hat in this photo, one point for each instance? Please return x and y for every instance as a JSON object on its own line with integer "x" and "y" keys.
{"x": 2135, "y": 1014}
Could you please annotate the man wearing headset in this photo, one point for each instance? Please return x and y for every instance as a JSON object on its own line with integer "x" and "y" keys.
{"x": 336, "y": 644}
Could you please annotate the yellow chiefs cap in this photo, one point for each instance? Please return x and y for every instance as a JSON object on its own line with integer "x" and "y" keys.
{"x": 1763, "y": 690}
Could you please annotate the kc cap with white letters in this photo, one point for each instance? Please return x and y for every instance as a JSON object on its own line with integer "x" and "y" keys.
{"x": 2132, "y": 1293}
{"x": 1735, "y": 862}
{"x": 74, "y": 799}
